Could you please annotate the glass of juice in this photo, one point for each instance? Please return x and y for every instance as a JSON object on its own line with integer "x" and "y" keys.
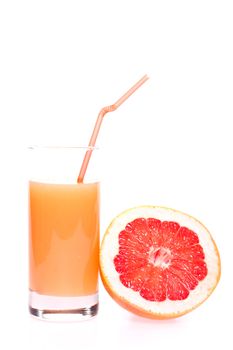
{"x": 63, "y": 234}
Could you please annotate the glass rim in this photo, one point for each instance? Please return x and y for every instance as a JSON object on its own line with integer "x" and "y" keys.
{"x": 54, "y": 147}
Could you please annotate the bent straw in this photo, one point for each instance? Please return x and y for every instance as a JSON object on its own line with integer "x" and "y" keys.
{"x": 98, "y": 123}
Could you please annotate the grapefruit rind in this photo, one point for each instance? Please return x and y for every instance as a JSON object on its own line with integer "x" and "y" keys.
{"x": 132, "y": 300}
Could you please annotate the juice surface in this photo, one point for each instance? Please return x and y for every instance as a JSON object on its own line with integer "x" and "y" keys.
{"x": 64, "y": 238}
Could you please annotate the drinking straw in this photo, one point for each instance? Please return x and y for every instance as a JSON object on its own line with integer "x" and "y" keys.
{"x": 98, "y": 123}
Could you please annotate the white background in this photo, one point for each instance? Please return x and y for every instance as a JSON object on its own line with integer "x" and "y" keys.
{"x": 169, "y": 144}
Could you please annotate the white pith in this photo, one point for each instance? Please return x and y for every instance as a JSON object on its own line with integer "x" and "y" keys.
{"x": 163, "y": 260}
{"x": 110, "y": 247}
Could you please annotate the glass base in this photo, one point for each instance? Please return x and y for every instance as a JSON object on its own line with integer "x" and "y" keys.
{"x": 54, "y": 308}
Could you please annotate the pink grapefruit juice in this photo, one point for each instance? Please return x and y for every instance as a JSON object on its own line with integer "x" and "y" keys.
{"x": 63, "y": 238}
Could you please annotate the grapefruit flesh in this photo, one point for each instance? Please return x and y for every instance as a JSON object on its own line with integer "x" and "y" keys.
{"x": 158, "y": 262}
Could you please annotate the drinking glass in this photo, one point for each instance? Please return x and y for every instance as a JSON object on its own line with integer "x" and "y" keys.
{"x": 63, "y": 234}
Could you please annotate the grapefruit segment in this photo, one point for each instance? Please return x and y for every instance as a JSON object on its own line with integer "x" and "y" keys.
{"x": 158, "y": 262}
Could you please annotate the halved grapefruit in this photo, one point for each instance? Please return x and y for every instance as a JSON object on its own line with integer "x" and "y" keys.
{"x": 158, "y": 262}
